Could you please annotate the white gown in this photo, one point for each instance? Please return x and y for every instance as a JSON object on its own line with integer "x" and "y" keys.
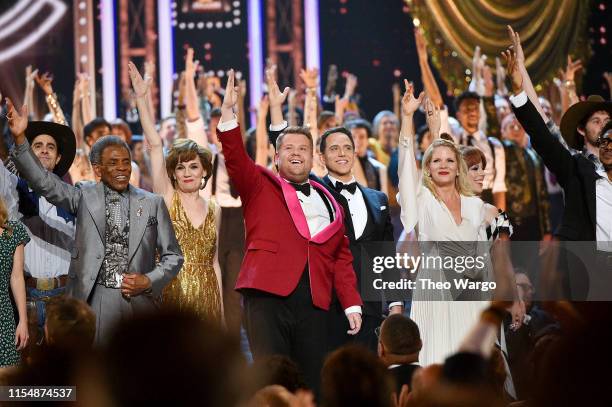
{"x": 442, "y": 324}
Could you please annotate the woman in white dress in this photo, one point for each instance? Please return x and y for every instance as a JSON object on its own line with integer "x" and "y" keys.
{"x": 440, "y": 207}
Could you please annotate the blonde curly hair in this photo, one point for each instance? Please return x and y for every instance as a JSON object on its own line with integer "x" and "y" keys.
{"x": 462, "y": 184}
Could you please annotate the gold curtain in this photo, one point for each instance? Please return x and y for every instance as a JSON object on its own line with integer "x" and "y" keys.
{"x": 549, "y": 29}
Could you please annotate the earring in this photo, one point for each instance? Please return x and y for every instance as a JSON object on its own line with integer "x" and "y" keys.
{"x": 203, "y": 183}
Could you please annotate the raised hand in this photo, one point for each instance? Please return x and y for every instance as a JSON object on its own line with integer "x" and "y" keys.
{"x": 31, "y": 75}
{"x": 231, "y": 92}
{"x": 410, "y": 104}
{"x": 500, "y": 76}
{"x": 17, "y": 121}
{"x": 512, "y": 68}
{"x": 242, "y": 85}
{"x": 432, "y": 116}
{"x": 277, "y": 98}
{"x": 44, "y": 82}
{"x": 487, "y": 76}
{"x": 264, "y": 105}
{"x": 477, "y": 62}
{"x": 516, "y": 46}
{"x": 396, "y": 90}
{"x": 570, "y": 70}
{"x": 191, "y": 67}
{"x": 310, "y": 77}
{"x": 351, "y": 85}
{"x": 139, "y": 84}
{"x": 332, "y": 78}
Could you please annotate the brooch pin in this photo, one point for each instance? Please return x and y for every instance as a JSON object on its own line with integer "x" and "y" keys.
{"x": 139, "y": 211}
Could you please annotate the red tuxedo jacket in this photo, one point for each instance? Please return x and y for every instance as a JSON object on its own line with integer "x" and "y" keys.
{"x": 278, "y": 242}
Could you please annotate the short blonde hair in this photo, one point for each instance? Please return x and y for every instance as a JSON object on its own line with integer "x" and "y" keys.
{"x": 462, "y": 184}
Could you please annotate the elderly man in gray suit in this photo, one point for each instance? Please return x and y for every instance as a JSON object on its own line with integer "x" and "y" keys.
{"x": 120, "y": 230}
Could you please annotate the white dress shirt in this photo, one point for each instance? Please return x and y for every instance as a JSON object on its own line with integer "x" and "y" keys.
{"x": 359, "y": 215}
{"x": 315, "y": 211}
{"x": 603, "y": 211}
{"x": 357, "y": 207}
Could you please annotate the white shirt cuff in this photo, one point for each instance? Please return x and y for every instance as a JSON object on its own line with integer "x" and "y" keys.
{"x": 395, "y": 303}
{"x": 519, "y": 100}
{"x": 228, "y": 125}
{"x": 354, "y": 308}
{"x": 278, "y": 127}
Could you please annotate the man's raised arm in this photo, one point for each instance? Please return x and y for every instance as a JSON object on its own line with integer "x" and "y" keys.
{"x": 40, "y": 180}
{"x": 241, "y": 169}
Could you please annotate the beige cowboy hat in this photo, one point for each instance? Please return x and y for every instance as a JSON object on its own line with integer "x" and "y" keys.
{"x": 575, "y": 114}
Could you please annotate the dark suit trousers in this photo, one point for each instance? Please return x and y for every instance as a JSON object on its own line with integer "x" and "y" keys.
{"x": 231, "y": 253}
{"x": 289, "y": 326}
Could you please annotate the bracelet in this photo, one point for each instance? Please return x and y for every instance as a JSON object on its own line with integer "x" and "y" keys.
{"x": 569, "y": 84}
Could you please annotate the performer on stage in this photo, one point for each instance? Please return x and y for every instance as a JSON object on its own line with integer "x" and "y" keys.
{"x": 366, "y": 218}
{"x": 441, "y": 207}
{"x": 179, "y": 178}
{"x": 296, "y": 248}
{"x": 119, "y": 230}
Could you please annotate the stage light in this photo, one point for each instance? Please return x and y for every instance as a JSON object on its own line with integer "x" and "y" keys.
{"x": 255, "y": 53}
{"x": 311, "y": 28}
{"x": 107, "y": 28}
{"x": 166, "y": 52}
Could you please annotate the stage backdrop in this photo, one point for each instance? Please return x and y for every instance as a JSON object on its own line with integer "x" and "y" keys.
{"x": 550, "y": 30}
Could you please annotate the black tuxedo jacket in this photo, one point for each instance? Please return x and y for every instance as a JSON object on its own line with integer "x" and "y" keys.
{"x": 402, "y": 374}
{"x": 575, "y": 173}
{"x": 378, "y": 228}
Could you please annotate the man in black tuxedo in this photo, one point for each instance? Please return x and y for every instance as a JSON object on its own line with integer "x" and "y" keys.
{"x": 587, "y": 188}
{"x": 399, "y": 344}
{"x": 366, "y": 219}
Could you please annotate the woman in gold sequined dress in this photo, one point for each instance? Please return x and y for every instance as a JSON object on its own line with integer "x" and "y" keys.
{"x": 179, "y": 179}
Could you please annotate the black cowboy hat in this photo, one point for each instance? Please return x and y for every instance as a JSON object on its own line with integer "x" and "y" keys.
{"x": 64, "y": 137}
{"x": 576, "y": 114}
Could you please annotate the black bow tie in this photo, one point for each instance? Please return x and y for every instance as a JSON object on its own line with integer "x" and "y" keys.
{"x": 303, "y": 188}
{"x": 352, "y": 187}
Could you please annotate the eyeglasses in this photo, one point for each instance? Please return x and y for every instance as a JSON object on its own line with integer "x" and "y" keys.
{"x": 605, "y": 143}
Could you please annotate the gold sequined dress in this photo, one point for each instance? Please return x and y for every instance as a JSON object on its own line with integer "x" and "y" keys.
{"x": 196, "y": 286}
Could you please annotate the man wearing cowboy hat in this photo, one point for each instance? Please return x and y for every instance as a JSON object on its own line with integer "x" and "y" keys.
{"x": 125, "y": 250}
{"x": 587, "y": 184}
{"x": 51, "y": 228}
{"x": 582, "y": 124}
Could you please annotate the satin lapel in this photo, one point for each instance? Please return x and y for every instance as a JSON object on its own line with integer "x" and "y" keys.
{"x": 372, "y": 202}
{"x": 333, "y": 227}
{"x": 139, "y": 216}
{"x": 94, "y": 200}
{"x": 295, "y": 209}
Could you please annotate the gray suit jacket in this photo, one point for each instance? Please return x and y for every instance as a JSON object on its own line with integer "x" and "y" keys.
{"x": 151, "y": 231}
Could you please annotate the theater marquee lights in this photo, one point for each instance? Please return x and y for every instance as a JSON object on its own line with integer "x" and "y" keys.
{"x": 19, "y": 16}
